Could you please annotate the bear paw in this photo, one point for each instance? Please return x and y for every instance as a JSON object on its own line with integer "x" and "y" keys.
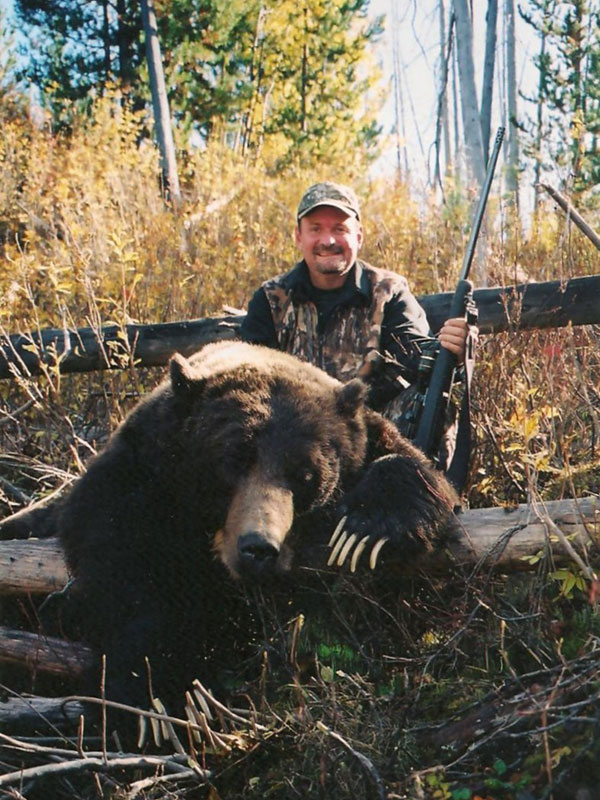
{"x": 399, "y": 500}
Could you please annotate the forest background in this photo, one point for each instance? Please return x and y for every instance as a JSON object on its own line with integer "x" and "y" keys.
{"x": 266, "y": 98}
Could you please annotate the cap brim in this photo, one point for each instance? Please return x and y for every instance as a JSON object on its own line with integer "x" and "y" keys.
{"x": 335, "y": 203}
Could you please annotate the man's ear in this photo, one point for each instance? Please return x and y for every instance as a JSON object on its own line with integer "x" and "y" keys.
{"x": 183, "y": 380}
{"x": 297, "y": 233}
{"x": 351, "y": 397}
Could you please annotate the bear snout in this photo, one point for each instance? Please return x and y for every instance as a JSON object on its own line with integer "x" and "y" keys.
{"x": 257, "y": 556}
{"x": 252, "y": 541}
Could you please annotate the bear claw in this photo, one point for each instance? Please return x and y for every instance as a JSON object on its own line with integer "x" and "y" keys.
{"x": 338, "y": 546}
{"x": 346, "y": 549}
{"x": 338, "y": 529}
{"x": 375, "y": 552}
{"x": 357, "y": 552}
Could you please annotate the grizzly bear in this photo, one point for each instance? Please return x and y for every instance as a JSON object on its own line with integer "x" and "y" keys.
{"x": 223, "y": 474}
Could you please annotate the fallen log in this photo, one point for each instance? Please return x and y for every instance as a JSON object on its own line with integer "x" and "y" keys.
{"x": 493, "y": 537}
{"x": 43, "y": 653}
{"x": 506, "y": 536}
{"x": 32, "y": 566}
{"x": 501, "y": 536}
{"x": 25, "y": 713}
{"x": 551, "y": 304}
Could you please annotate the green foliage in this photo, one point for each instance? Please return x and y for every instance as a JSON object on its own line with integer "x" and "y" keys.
{"x": 293, "y": 83}
{"x": 569, "y": 68}
{"x": 79, "y": 47}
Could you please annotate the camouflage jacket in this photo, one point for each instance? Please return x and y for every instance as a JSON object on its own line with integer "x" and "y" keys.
{"x": 373, "y": 327}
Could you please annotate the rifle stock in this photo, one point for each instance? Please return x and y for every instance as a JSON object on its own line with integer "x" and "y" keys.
{"x": 429, "y": 429}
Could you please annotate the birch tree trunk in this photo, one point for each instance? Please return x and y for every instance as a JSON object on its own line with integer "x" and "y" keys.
{"x": 487, "y": 90}
{"x": 160, "y": 105}
{"x": 468, "y": 92}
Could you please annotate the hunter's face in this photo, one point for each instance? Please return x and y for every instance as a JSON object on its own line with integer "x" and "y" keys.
{"x": 329, "y": 240}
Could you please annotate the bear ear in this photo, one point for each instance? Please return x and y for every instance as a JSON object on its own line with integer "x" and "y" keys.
{"x": 351, "y": 397}
{"x": 183, "y": 380}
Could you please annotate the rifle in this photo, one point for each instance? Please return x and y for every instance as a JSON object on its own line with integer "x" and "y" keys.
{"x": 438, "y": 392}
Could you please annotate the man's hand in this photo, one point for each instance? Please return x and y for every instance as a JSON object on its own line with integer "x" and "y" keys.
{"x": 453, "y": 336}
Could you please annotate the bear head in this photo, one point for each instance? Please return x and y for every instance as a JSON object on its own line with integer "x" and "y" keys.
{"x": 282, "y": 439}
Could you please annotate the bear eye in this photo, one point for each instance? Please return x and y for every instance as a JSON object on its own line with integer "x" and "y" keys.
{"x": 308, "y": 476}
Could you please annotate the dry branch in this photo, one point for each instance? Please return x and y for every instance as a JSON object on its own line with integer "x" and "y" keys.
{"x": 573, "y": 214}
{"x": 97, "y": 765}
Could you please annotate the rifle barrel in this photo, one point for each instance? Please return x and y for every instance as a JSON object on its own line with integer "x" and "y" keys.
{"x": 440, "y": 382}
{"x": 478, "y": 218}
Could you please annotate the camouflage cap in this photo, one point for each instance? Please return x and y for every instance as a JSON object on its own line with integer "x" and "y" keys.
{"x": 329, "y": 194}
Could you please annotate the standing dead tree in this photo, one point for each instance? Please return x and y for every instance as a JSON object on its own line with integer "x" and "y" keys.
{"x": 160, "y": 104}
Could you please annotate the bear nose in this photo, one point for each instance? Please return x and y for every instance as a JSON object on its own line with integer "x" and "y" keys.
{"x": 257, "y": 554}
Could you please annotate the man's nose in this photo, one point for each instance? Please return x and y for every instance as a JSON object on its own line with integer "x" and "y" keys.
{"x": 327, "y": 239}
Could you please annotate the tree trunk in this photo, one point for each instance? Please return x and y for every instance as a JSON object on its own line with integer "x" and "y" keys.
{"x": 468, "y": 92}
{"x": 32, "y": 566}
{"x": 399, "y": 111}
{"x": 542, "y": 70}
{"x": 25, "y": 713}
{"x": 160, "y": 104}
{"x": 488, "y": 76}
{"x": 573, "y": 214}
{"x": 106, "y": 41}
{"x": 458, "y": 148}
{"x": 445, "y": 104}
{"x": 43, "y": 653}
{"x": 255, "y": 82}
{"x": 124, "y": 42}
{"x": 442, "y": 120}
{"x": 304, "y": 74}
{"x": 512, "y": 175}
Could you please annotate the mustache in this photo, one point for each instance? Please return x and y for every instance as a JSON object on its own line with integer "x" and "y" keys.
{"x": 323, "y": 250}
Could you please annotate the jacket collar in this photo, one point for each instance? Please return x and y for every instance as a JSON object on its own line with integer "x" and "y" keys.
{"x": 357, "y": 282}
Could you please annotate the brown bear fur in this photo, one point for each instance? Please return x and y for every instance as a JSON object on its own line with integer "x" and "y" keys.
{"x": 226, "y": 470}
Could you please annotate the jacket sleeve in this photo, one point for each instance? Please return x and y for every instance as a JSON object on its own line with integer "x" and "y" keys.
{"x": 404, "y": 332}
{"x": 257, "y": 326}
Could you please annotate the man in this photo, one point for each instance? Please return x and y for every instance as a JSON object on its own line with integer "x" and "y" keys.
{"x": 342, "y": 314}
